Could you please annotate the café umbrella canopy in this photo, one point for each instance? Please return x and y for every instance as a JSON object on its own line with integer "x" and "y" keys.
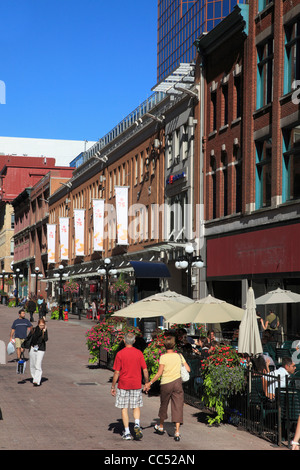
{"x": 157, "y": 305}
{"x": 207, "y": 310}
{"x": 249, "y": 341}
{"x": 278, "y": 296}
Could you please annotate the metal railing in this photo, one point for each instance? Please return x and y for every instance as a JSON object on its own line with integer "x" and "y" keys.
{"x": 265, "y": 408}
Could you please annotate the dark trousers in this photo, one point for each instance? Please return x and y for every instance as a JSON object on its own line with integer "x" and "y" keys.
{"x": 172, "y": 392}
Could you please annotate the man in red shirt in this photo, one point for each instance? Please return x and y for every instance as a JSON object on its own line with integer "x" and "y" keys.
{"x": 128, "y": 366}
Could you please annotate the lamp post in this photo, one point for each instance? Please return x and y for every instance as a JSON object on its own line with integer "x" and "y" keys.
{"x": 37, "y": 275}
{"x": 189, "y": 261}
{"x": 107, "y": 269}
{"x": 2, "y": 275}
{"x": 17, "y": 276}
{"x": 60, "y": 275}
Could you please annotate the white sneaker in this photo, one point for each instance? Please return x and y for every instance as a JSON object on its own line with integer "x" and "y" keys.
{"x": 126, "y": 437}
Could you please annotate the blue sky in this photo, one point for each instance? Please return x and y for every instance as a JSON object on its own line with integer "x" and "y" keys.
{"x": 74, "y": 68}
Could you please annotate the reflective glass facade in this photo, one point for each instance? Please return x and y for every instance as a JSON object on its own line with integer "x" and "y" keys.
{"x": 180, "y": 23}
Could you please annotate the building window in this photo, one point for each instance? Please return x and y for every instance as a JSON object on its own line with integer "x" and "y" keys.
{"x": 238, "y": 97}
{"x": 264, "y": 73}
{"x": 12, "y": 247}
{"x": 213, "y": 196}
{"x": 225, "y": 182}
{"x": 136, "y": 170}
{"x": 263, "y": 4}
{"x": 141, "y": 167}
{"x": 263, "y": 173}
{"x": 238, "y": 179}
{"x": 292, "y": 56}
{"x": 178, "y": 217}
{"x": 213, "y": 111}
{"x": 225, "y": 104}
{"x": 291, "y": 164}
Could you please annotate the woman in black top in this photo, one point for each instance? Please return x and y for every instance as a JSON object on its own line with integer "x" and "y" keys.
{"x": 37, "y": 351}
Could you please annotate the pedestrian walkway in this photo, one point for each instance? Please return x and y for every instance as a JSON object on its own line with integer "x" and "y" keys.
{"x": 74, "y": 410}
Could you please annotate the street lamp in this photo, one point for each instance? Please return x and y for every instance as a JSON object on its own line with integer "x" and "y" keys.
{"x": 37, "y": 275}
{"x": 17, "y": 276}
{"x": 189, "y": 261}
{"x": 60, "y": 275}
{"x": 107, "y": 269}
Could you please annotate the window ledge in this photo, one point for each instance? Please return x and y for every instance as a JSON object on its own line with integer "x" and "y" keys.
{"x": 262, "y": 110}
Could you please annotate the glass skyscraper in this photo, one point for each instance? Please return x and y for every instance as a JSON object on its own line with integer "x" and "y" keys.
{"x": 180, "y": 23}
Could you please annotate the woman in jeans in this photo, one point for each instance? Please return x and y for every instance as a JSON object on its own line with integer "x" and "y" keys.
{"x": 37, "y": 351}
{"x": 170, "y": 386}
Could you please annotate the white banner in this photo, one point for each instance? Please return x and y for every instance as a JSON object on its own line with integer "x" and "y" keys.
{"x": 122, "y": 214}
{"x": 64, "y": 237}
{"x": 79, "y": 215}
{"x": 98, "y": 218}
{"x": 51, "y": 233}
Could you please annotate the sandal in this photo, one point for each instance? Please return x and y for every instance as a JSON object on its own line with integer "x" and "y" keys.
{"x": 177, "y": 436}
{"x": 159, "y": 430}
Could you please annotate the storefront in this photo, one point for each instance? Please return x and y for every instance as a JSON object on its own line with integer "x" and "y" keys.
{"x": 265, "y": 258}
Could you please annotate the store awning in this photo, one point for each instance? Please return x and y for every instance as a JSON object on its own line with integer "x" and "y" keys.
{"x": 149, "y": 269}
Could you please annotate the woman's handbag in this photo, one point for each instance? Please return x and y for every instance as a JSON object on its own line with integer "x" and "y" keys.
{"x": 185, "y": 375}
{"x": 27, "y": 341}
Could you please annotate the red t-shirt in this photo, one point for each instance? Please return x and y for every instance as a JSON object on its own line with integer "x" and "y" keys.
{"x": 130, "y": 362}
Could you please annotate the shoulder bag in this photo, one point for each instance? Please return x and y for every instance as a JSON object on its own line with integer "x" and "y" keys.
{"x": 27, "y": 341}
{"x": 185, "y": 375}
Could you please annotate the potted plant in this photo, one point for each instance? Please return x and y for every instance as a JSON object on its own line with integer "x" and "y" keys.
{"x": 153, "y": 352}
{"x": 223, "y": 376}
{"x": 108, "y": 335}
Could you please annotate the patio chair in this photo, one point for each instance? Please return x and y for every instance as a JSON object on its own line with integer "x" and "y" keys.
{"x": 282, "y": 352}
{"x": 258, "y": 398}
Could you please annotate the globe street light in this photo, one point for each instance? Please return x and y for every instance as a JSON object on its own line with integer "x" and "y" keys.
{"x": 189, "y": 261}
{"x": 16, "y": 277}
{"x": 106, "y": 269}
{"x": 60, "y": 275}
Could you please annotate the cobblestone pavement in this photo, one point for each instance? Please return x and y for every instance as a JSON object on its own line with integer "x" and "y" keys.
{"x": 73, "y": 408}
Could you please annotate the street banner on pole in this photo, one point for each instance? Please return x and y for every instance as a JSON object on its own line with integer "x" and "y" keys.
{"x": 51, "y": 233}
{"x": 122, "y": 214}
{"x": 98, "y": 218}
{"x": 64, "y": 237}
{"x": 79, "y": 219}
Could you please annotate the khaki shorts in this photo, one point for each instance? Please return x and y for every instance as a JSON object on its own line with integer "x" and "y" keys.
{"x": 19, "y": 342}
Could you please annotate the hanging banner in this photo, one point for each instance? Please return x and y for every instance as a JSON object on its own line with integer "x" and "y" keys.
{"x": 64, "y": 237}
{"x": 98, "y": 218}
{"x": 51, "y": 233}
{"x": 79, "y": 218}
{"x": 122, "y": 214}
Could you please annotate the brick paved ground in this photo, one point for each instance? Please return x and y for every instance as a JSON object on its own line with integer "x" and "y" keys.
{"x": 73, "y": 408}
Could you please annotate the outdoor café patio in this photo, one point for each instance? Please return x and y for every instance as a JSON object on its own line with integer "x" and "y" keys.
{"x": 227, "y": 385}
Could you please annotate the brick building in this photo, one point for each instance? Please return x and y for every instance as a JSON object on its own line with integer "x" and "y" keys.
{"x": 251, "y": 163}
{"x": 16, "y": 173}
{"x": 30, "y": 229}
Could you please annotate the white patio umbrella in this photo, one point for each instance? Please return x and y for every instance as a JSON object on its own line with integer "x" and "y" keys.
{"x": 278, "y": 296}
{"x": 249, "y": 341}
{"x": 157, "y": 305}
{"x": 207, "y": 310}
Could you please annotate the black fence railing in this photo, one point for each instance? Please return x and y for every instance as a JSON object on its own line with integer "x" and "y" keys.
{"x": 265, "y": 407}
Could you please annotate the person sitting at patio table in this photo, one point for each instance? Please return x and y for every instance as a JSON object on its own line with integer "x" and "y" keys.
{"x": 211, "y": 336}
{"x": 183, "y": 344}
{"x": 287, "y": 368}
